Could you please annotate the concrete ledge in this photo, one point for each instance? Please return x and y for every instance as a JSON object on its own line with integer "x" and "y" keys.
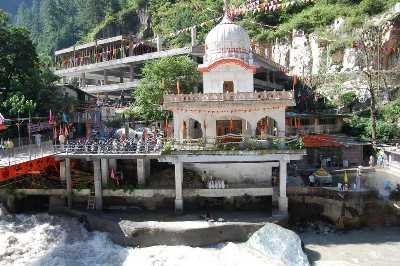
{"x": 52, "y": 192}
{"x": 149, "y": 193}
{"x": 145, "y": 235}
{"x": 229, "y": 192}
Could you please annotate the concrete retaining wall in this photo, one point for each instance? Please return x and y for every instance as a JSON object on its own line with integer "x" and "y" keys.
{"x": 236, "y": 172}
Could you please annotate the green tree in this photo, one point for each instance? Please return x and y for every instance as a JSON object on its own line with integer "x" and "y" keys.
{"x": 22, "y": 74}
{"x": 370, "y": 42}
{"x": 17, "y": 57}
{"x": 160, "y": 77}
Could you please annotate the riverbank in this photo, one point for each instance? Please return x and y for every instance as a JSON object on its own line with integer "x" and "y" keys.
{"x": 368, "y": 246}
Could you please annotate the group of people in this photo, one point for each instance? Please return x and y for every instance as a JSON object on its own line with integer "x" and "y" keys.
{"x": 138, "y": 144}
{"x": 102, "y": 54}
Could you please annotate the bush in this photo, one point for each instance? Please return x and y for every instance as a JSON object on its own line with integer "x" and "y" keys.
{"x": 371, "y": 7}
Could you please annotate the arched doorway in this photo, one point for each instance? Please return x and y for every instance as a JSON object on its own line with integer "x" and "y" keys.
{"x": 191, "y": 129}
{"x": 267, "y": 127}
{"x": 194, "y": 129}
{"x": 228, "y": 87}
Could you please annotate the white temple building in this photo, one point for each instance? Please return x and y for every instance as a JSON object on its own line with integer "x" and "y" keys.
{"x": 231, "y": 112}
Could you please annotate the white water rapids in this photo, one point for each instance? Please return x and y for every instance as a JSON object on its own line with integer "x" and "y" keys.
{"x": 49, "y": 240}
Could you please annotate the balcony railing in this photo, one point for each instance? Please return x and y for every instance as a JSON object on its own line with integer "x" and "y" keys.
{"x": 312, "y": 129}
{"x": 233, "y": 143}
{"x": 221, "y": 97}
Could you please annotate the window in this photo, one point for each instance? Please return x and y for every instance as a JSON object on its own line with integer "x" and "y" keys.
{"x": 228, "y": 86}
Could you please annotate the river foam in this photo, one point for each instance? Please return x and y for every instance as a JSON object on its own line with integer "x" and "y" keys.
{"x": 49, "y": 240}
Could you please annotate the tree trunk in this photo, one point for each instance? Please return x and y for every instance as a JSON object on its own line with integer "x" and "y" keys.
{"x": 373, "y": 114}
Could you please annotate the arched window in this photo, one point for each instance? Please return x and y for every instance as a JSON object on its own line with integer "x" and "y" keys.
{"x": 228, "y": 86}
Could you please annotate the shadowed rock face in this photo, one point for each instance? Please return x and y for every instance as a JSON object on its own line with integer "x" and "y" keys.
{"x": 198, "y": 234}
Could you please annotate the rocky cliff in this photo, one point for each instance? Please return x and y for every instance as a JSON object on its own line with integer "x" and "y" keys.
{"x": 306, "y": 55}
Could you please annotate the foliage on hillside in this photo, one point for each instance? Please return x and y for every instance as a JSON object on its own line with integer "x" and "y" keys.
{"x": 56, "y": 24}
{"x": 388, "y": 120}
{"x": 160, "y": 77}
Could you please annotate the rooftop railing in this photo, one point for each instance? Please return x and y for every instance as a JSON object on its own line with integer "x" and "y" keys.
{"x": 158, "y": 145}
{"x": 221, "y": 97}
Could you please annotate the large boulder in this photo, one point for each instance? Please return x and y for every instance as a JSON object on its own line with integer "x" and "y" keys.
{"x": 278, "y": 243}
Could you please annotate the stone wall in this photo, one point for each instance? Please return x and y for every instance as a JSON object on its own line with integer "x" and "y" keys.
{"x": 237, "y": 172}
{"x": 346, "y": 209}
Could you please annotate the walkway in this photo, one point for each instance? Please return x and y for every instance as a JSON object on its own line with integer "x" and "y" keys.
{"x": 29, "y": 159}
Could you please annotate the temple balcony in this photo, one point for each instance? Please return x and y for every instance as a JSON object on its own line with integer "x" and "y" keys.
{"x": 274, "y": 97}
{"x": 234, "y": 144}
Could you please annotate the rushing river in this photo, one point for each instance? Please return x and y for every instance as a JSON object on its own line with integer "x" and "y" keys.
{"x": 50, "y": 240}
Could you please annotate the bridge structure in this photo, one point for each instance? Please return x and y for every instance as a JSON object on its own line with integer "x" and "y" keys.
{"x": 180, "y": 154}
{"x": 27, "y": 160}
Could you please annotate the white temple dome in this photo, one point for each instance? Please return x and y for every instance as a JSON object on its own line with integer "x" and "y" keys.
{"x": 227, "y": 40}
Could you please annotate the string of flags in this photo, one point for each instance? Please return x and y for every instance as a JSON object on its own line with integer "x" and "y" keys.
{"x": 189, "y": 29}
{"x": 267, "y": 6}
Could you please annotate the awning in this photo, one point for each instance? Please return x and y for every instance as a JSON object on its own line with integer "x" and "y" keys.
{"x": 319, "y": 141}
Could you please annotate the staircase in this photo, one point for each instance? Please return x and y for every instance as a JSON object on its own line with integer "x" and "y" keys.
{"x": 91, "y": 205}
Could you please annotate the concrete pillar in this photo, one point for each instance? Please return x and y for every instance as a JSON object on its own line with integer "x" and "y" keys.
{"x": 131, "y": 73}
{"x": 178, "y": 187}
{"x": 68, "y": 181}
{"x": 283, "y": 200}
{"x": 83, "y": 80}
{"x": 105, "y": 77}
{"x": 143, "y": 171}
{"x": 194, "y": 36}
{"x": 177, "y": 126}
{"x": 252, "y": 128}
{"x": 211, "y": 129}
{"x": 147, "y": 167}
{"x": 316, "y": 125}
{"x": 112, "y": 164}
{"x": 159, "y": 44}
{"x": 62, "y": 170}
{"x": 105, "y": 172}
{"x": 97, "y": 184}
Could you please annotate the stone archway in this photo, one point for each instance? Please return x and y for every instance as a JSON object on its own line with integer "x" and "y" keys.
{"x": 195, "y": 130}
{"x": 267, "y": 126}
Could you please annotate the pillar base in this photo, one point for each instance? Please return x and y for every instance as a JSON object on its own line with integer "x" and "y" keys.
{"x": 178, "y": 206}
{"x": 283, "y": 204}
{"x": 141, "y": 172}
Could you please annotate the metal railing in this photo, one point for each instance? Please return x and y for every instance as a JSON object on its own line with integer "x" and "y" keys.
{"x": 158, "y": 144}
{"x": 149, "y": 145}
{"x": 233, "y": 142}
{"x": 312, "y": 129}
{"x": 25, "y": 153}
{"x": 221, "y": 97}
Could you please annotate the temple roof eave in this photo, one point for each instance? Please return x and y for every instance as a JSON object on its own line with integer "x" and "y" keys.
{"x": 229, "y": 60}
{"x": 229, "y": 105}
